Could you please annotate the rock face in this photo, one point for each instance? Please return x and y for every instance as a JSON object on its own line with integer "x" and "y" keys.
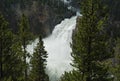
{"x": 42, "y": 17}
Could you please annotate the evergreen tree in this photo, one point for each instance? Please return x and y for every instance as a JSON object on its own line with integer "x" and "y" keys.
{"x": 90, "y": 48}
{"x": 5, "y": 44}
{"x": 38, "y": 63}
{"x": 9, "y": 66}
{"x": 13, "y": 64}
{"x": 116, "y": 62}
{"x": 25, "y": 36}
{"x": 16, "y": 62}
{"x": 71, "y": 76}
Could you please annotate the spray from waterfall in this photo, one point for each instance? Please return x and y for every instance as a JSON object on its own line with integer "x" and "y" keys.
{"x": 58, "y": 47}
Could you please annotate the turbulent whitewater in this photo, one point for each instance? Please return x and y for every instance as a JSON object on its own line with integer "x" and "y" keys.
{"x": 58, "y": 47}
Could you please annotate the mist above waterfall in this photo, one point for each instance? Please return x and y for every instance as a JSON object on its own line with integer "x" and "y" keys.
{"x": 58, "y": 47}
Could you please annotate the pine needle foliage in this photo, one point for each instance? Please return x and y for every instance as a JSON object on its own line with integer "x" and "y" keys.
{"x": 38, "y": 63}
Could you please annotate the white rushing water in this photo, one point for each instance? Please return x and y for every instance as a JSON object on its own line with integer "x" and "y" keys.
{"x": 58, "y": 47}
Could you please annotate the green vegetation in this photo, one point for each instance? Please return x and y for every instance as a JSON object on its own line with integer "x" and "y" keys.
{"x": 51, "y": 13}
{"x": 115, "y": 68}
{"x": 13, "y": 54}
{"x": 24, "y": 36}
{"x": 5, "y": 44}
{"x": 91, "y": 48}
{"x": 10, "y": 61}
{"x": 38, "y": 63}
{"x": 72, "y": 76}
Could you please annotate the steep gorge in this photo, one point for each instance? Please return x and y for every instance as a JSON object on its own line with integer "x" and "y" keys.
{"x": 42, "y": 16}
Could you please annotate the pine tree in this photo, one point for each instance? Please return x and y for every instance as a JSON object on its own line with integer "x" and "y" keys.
{"x": 90, "y": 48}
{"x": 10, "y": 51}
{"x": 25, "y": 36}
{"x": 38, "y": 63}
{"x": 71, "y": 76}
{"x": 13, "y": 64}
{"x": 5, "y": 43}
{"x": 16, "y": 61}
{"x": 116, "y": 63}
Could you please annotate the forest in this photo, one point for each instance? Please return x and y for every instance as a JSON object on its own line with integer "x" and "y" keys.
{"x": 95, "y": 41}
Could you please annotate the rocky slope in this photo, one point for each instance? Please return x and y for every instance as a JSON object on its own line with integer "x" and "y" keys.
{"x": 43, "y": 15}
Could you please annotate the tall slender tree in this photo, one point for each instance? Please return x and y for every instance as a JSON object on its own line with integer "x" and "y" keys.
{"x": 5, "y": 43}
{"x": 25, "y": 36}
{"x": 16, "y": 62}
{"x": 90, "y": 48}
{"x": 38, "y": 63}
{"x": 3, "y": 23}
{"x": 10, "y": 51}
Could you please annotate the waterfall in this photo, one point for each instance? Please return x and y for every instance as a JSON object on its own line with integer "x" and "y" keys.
{"x": 58, "y": 47}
